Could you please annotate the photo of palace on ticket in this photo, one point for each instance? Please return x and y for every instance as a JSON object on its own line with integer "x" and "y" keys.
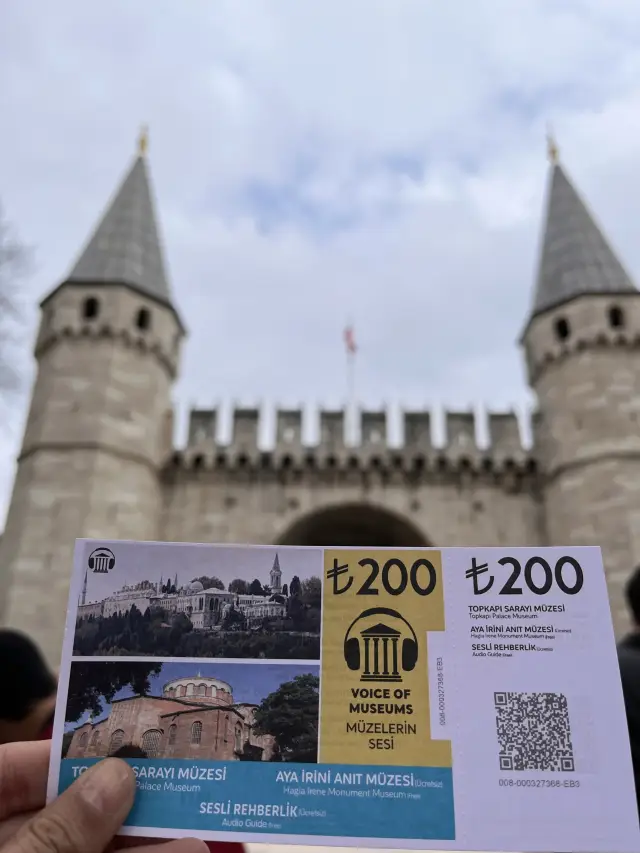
{"x": 435, "y": 699}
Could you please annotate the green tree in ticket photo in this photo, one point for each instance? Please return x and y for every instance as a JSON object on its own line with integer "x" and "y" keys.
{"x": 180, "y": 625}
{"x": 311, "y": 592}
{"x": 209, "y": 582}
{"x": 90, "y": 685}
{"x": 296, "y": 587}
{"x": 255, "y": 587}
{"x": 234, "y": 620}
{"x": 160, "y": 634}
{"x": 290, "y": 714}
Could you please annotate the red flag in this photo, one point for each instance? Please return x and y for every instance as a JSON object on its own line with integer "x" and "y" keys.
{"x": 349, "y": 340}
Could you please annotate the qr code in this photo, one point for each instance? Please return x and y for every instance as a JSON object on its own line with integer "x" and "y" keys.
{"x": 534, "y": 732}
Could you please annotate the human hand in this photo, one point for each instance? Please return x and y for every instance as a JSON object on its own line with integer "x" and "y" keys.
{"x": 84, "y": 819}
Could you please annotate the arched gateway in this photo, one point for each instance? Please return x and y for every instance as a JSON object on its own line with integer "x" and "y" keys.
{"x": 354, "y": 524}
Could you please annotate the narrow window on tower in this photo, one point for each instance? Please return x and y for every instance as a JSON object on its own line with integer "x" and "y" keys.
{"x": 562, "y": 329}
{"x": 90, "y": 308}
{"x": 143, "y": 319}
{"x": 616, "y": 317}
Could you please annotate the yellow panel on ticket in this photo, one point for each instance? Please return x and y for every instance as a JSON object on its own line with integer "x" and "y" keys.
{"x": 378, "y": 607}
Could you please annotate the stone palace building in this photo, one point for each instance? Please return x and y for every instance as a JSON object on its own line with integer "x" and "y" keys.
{"x": 205, "y": 608}
{"x": 98, "y": 458}
{"x": 194, "y": 718}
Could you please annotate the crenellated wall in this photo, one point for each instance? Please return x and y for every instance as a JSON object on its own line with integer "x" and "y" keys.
{"x": 260, "y": 484}
{"x": 286, "y": 447}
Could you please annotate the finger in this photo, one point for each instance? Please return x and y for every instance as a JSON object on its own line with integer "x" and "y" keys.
{"x": 85, "y": 817}
{"x": 124, "y": 842}
{"x": 121, "y": 842}
{"x": 23, "y": 776}
{"x": 11, "y": 825}
{"x": 180, "y": 845}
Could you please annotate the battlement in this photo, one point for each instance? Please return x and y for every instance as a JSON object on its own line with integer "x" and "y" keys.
{"x": 417, "y": 440}
{"x": 202, "y": 427}
{"x": 246, "y": 424}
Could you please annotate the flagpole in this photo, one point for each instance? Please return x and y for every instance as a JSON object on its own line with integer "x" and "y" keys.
{"x": 351, "y": 391}
{"x": 351, "y": 349}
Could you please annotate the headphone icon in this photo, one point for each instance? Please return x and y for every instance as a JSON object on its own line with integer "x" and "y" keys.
{"x": 101, "y": 552}
{"x": 409, "y": 653}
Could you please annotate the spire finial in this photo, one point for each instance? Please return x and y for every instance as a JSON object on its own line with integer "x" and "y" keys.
{"x": 143, "y": 140}
{"x": 552, "y": 148}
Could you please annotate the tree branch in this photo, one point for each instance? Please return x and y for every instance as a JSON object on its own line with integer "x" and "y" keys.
{"x": 14, "y": 264}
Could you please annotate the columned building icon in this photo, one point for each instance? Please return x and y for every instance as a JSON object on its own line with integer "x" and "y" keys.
{"x": 380, "y": 659}
{"x": 101, "y": 563}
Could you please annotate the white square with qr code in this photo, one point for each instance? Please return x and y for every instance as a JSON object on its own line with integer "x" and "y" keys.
{"x": 534, "y": 732}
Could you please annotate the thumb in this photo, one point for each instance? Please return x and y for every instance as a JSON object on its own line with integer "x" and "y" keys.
{"x": 85, "y": 817}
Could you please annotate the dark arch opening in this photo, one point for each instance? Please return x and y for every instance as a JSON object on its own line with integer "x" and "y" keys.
{"x": 354, "y": 524}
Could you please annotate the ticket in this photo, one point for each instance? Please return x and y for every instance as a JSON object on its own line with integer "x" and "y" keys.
{"x": 448, "y": 699}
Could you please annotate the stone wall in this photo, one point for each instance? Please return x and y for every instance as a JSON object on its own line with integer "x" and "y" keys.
{"x": 207, "y": 506}
{"x": 60, "y": 495}
{"x": 223, "y": 735}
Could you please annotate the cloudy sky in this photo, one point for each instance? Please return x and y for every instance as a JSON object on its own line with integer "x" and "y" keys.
{"x": 379, "y": 160}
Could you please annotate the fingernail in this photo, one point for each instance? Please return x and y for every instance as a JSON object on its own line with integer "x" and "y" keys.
{"x": 107, "y": 785}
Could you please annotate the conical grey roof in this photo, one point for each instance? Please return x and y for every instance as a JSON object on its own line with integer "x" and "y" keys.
{"x": 575, "y": 258}
{"x": 125, "y": 247}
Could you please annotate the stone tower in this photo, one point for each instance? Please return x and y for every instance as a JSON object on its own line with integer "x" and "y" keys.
{"x": 581, "y": 344}
{"x": 100, "y": 425}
